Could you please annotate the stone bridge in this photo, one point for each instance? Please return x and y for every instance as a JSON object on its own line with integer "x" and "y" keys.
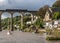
{"x": 12, "y": 11}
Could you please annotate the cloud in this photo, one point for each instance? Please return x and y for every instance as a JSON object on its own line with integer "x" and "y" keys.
{"x": 25, "y": 4}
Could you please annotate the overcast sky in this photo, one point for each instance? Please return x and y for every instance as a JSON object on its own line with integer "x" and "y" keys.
{"x": 24, "y": 4}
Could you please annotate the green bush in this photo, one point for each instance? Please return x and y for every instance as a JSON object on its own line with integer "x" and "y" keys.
{"x": 56, "y": 15}
{"x": 39, "y": 23}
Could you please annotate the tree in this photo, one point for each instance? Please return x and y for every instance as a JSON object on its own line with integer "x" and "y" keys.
{"x": 56, "y": 15}
{"x": 42, "y": 11}
{"x": 56, "y": 4}
{"x": 39, "y": 23}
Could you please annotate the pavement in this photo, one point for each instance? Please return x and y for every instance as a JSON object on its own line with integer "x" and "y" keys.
{"x": 22, "y": 37}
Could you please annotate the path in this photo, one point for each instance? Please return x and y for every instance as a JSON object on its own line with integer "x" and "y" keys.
{"x": 21, "y": 37}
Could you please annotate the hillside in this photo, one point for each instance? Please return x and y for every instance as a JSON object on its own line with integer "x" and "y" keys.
{"x": 56, "y": 4}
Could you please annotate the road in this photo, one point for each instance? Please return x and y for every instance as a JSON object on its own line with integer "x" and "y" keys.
{"x": 22, "y": 37}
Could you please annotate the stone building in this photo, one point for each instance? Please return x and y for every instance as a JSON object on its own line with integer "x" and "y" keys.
{"x": 48, "y": 19}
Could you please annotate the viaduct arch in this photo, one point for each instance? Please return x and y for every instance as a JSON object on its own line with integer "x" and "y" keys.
{"x": 12, "y": 11}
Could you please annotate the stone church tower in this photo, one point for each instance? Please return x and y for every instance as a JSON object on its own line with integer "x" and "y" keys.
{"x": 47, "y": 17}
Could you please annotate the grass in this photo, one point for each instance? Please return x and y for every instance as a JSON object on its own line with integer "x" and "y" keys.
{"x": 53, "y": 34}
{"x": 52, "y": 38}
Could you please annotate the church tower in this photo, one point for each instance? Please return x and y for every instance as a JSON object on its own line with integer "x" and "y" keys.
{"x": 47, "y": 17}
